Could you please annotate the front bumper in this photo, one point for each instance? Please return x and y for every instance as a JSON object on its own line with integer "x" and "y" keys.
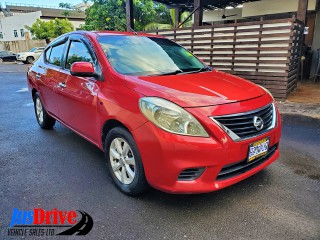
{"x": 21, "y": 58}
{"x": 166, "y": 155}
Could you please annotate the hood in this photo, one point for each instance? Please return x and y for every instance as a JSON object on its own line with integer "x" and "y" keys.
{"x": 197, "y": 89}
{"x": 21, "y": 53}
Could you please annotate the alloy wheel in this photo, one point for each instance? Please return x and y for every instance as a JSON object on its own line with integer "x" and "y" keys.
{"x": 39, "y": 110}
{"x": 122, "y": 160}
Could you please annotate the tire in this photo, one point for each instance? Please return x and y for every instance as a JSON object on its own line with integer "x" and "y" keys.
{"x": 44, "y": 120}
{"x": 125, "y": 158}
{"x": 30, "y": 60}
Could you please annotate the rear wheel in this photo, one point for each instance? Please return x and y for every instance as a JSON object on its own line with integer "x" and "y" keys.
{"x": 124, "y": 162}
{"x": 44, "y": 120}
{"x": 30, "y": 60}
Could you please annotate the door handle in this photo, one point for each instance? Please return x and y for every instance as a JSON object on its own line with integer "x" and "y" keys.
{"x": 38, "y": 76}
{"x": 62, "y": 85}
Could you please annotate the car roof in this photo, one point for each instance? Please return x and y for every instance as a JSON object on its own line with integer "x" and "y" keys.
{"x": 94, "y": 34}
{"x": 112, "y": 33}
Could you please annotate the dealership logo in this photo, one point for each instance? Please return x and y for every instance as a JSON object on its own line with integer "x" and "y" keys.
{"x": 258, "y": 123}
{"x": 39, "y": 222}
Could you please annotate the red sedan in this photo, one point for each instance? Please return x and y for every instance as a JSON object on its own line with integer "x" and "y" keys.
{"x": 162, "y": 117}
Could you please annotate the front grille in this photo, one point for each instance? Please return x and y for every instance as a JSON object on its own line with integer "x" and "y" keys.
{"x": 240, "y": 126}
{"x": 190, "y": 174}
{"x": 241, "y": 167}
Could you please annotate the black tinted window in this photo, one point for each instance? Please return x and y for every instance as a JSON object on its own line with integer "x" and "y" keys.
{"x": 78, "y": 52}
{"x": 55, "y": 54}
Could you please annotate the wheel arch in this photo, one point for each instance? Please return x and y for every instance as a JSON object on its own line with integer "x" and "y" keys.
{"x": 108, "y": 125}
{"x": 33, "y": 92}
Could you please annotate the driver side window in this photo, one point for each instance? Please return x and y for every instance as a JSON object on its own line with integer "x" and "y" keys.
{"x": 78, "y": 52}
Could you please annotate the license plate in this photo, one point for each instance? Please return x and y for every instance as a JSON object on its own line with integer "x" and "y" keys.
{"x": 258, "y": 149}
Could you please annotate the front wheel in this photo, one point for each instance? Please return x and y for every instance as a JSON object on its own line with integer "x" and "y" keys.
{"x": 45, "y": 121}
{"x": 124, "y": 162}
{"x": 30, "y": 60}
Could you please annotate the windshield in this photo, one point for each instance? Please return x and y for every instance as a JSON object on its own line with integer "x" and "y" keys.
{"x": 33, "y": 49}
{"x": 142, "y": 56}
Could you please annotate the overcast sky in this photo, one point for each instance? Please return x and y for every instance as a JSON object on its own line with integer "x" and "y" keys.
{"x": 54, "y": 3}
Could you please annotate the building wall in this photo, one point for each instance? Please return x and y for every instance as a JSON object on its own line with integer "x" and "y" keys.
{"x": 22, "y": 45}
{"x": 17, "y": 22}
{"x": 263, "y": 7}
{"x": 47, "y": 12}
{"x": 216, "y": 15}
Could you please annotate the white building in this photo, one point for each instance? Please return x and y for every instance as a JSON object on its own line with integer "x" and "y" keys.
{"x": 15, "y": 18}
{"x": 13, "y": 28}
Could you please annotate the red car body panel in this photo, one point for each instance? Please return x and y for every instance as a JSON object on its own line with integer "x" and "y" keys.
{"x": 174, "y": 153}
{"x": 86, "y": 104}
{"x": 202, "y": 89}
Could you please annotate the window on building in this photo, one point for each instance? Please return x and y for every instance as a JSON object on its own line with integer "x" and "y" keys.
{"x": 15, "y": 33}
{"x": 1, "y": 35}
{"x": 22, "y": 32}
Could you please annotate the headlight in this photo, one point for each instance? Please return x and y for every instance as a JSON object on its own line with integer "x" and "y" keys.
{"x": 170, "y": 117}
{"x": 267, "y": 91}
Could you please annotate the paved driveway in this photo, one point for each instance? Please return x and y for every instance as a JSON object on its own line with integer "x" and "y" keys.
{"x": 59, "y": 169}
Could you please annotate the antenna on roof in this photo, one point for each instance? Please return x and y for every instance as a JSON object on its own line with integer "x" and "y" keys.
{"x": 132, "y": 30}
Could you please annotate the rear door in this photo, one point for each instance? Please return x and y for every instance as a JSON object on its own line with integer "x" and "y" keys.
{"x": 12, "y": 56}
{"x": 48, "y": 75}
{"x": 78, "y": 97}
{"x": 38, "y": 52}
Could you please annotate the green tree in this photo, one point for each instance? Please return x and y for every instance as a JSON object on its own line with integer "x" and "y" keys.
{"x": 66, "y": 13}
{"x": 157, "y": 25}
{"x": 66, "y": 5}
{"x": 111, "y": 14}
{"x": 50, "y": 29}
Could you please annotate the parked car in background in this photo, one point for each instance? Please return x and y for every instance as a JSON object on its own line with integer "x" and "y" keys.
{"x": 30, "y": 56}
{"x": 7, "y": 56}
{"x": 162, "y": 117}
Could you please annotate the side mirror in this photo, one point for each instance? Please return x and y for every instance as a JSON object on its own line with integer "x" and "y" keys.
{"x": 82, "y": 69}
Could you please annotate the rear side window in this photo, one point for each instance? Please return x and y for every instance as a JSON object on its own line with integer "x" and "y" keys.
{"x": 78, "y": 52}
{"x": 55, "y": 54}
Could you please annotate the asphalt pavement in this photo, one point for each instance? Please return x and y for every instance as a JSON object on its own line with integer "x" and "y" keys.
{"x": 59, "y": 169}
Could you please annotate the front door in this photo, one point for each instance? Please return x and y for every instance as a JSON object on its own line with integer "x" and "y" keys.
{"x": 79, "y": 95}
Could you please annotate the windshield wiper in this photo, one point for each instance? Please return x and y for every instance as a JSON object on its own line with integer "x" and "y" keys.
{"x": 203, "y": 69}
{"x": 168, "y": 73}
